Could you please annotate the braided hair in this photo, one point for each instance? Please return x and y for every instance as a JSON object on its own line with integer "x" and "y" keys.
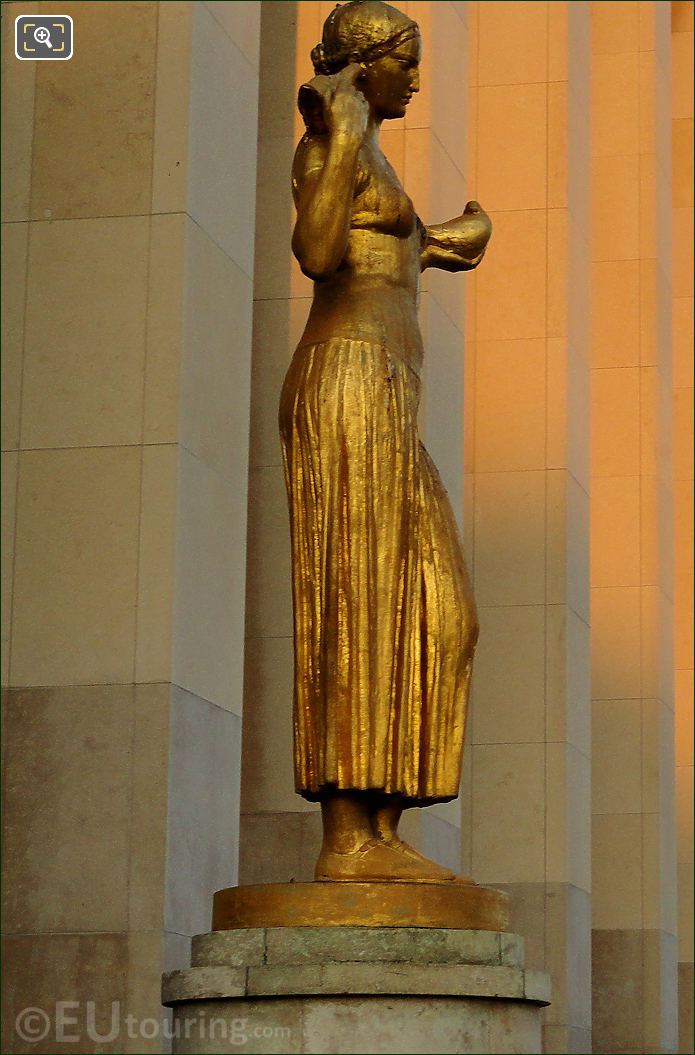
{"x": 360, "y": 31}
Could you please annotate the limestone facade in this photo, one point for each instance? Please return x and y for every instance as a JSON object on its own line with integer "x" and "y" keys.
{"x": 150, "y": 310}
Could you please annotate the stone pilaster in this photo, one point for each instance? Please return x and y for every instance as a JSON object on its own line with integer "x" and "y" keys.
{"x": 527, "y": 484}
{"x": 682, "y": 275}
{"x": 633, "y": 859}
{"x": 128, "y": 223}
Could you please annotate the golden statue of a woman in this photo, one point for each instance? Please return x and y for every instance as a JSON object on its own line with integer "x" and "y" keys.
{"x": 385, "y": 624}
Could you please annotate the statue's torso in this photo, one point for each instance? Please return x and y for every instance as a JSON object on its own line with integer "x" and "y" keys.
{"x": 373, "y": 294}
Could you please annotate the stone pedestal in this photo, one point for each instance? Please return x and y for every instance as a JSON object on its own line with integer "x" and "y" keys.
{"x": 356, "y": 989}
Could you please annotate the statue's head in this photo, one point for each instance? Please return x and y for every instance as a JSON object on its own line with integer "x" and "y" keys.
{"x": 384, "y": 41}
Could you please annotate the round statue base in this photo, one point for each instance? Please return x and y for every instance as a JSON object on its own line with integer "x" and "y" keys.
{"x": 463, "y": 906}
{"x": 333, "y": 990}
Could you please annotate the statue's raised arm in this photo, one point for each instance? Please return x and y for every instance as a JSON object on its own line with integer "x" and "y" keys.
{"x": 324, "y": 177}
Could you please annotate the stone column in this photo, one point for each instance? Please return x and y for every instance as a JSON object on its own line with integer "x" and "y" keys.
{"x": 279, "y": 830}
{"x": 128, "y": 220}
{"x": 633, "y": 860}
{"x": 527, "y": 477}
{"x": 682, "y": 288}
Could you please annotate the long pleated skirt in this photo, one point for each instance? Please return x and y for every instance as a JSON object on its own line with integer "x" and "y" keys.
{"x": 384, "y": 617}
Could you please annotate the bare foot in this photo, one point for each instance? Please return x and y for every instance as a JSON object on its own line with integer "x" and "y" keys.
{"x": 379, "y": 862}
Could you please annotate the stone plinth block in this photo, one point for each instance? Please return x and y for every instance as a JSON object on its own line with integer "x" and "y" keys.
{"x": 442, "y": 905}
{"x": 356, "y": 989}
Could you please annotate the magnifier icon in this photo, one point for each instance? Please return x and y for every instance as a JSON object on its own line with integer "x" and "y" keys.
{"x": 42, "y": 36}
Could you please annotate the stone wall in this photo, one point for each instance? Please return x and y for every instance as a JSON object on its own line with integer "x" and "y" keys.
{"x": 128, "y": 253}
{"x": 633, "y": 850}
{"x": 151, "y": 309}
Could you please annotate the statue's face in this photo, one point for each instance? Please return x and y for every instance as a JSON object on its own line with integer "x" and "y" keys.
{"x": 389, "y": 83}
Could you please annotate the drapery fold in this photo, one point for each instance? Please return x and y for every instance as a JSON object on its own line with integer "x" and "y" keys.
{"x": 384, "y": 618}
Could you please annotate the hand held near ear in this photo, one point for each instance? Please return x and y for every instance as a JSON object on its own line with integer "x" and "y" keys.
{"x": 324, "y": 205}
{"x": 347, "y": 110}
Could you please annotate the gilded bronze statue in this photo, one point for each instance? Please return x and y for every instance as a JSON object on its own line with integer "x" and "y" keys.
{"x": 384, "y": 616}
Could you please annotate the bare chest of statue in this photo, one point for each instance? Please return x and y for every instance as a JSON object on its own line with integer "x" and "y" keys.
{"x": 380, "y": 203}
